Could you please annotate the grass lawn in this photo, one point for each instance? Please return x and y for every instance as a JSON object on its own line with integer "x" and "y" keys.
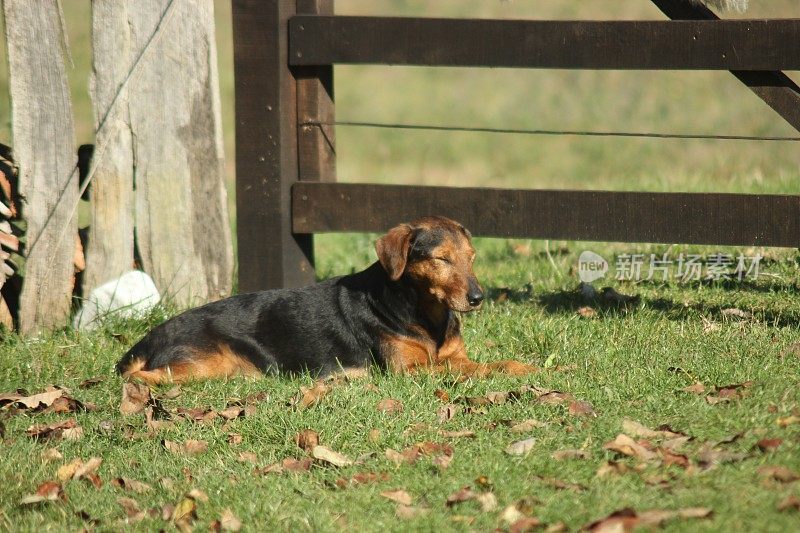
{"x": 628, "y": 362}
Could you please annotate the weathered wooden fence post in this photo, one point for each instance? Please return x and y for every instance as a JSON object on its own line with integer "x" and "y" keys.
{"x": 158, "y": 181}
{"x": 44, "y": 149}
{"x": 267, "y": 148}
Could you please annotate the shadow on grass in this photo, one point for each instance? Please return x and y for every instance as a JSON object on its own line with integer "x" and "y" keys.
{"x": 609, "y": 303}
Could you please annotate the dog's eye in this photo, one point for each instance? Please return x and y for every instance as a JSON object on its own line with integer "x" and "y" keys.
{"x": 443, "y": 260}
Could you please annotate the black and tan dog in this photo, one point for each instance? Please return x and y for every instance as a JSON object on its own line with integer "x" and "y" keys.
{"x": 399, "y": 314}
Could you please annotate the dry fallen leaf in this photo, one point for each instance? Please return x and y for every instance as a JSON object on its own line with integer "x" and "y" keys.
{"x": 627, "y": 446}
{"x": 35, "y": 401}
{"x": 790, "y": 502}
{"x": 46, "y": 492}
{"x": 390, "y": 406}
{"x": 781, "y": 474}
{"x": 631, "y": 427}
{"x": 289, "y": 464}
{"x": 443, "y": 395}
{"x": 464, "y": 433}
{"x": 788, "y": 421}
{"x": 132, "y": 485}
{"x": 135, "y": 396}
{"x": 562, "y": 455}
{"x": 447, "y": 412}
{"x": 247, "y": 457}
{"x": 627, "y": 519}
{"x": 696, "y": 388}
{"x": 55, "y": 430}
{"x": 326, "y": 455}
{"x": 768, "y": 445}
{"x": 527, "y": 425}
{"x": 521, "y": 447}
{"x": 229, "y": 522}
{"x": 587, "y": 312}
{"x": 362, "y": 478}
{"x": 309, "y": 397}
{"x": 612, "y": 468}
{"x": 399, "y": 496}
{"x": 462, "y": 495}
{"x": 581, "y": 408}
{"x": 90, "y": 382}
{"x": 307, "y": 439}
{"x": 527, "y": 523}
{"x": 406, "y": 512}
{"x": 189, "y": 447}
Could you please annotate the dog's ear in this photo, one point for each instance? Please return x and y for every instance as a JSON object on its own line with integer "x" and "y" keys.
{"x": 392, "y": 250}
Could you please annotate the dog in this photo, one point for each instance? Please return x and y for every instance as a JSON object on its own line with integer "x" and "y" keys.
{"x": 400, "y": 314}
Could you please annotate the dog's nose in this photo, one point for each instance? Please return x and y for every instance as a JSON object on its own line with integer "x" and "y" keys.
{"x": 475, "y": 297}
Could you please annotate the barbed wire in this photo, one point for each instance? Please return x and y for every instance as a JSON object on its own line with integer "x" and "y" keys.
{"x": 516, "y": 131}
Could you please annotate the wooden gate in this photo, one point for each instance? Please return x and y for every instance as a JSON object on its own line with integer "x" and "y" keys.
{"x": 285, "y": 157}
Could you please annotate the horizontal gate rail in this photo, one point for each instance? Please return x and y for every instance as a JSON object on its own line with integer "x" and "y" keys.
{"x": 686, "y": 218}
{"x": 747, "y": 45}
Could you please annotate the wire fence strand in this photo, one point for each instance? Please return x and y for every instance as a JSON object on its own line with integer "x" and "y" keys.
{"x": 515, "y": 131}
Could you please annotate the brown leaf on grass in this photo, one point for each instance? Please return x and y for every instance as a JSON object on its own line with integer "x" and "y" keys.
{"x": 447, "y": 412}
{"x": 90, "y": 382}
{"x": 627, "y": 519}
{"x": 587, "y": 312}
{"x": 790, "y": 502}
{"x": 464, "y": 494}
{"x": 67, "y": 404}
{"x": 48, "y": 491}
{"x": 362, "y": 478}
{"x": 390, "y": 406}
{"x": 51, "y": 431}
{"x": 184, "y": 513}
{"x": 235, "y": 439}
{"x": 442, "y": 394}
{"x": 131, "y": 508}
{"x": 780, "y": 474}
{"x": 135, "y": 396}
{"x": 35, "y": 401}
{"x": 610, "y": 468}
{"x": 631, "y": 427}
{"x": 310, "y": 396}
{"x": 560, "y": 484}
{"x": 133, "y": 485}
{"x": 74, "y": 433}
{"x": 788, "y": 421}
{"x": 188, "y": 447}
{"x": 768, "y": 445}
{"x": 203, "y": 415}
{"x": 669, "y": 458}
{"x": 696, "y": 388}
{"x": 400, "y": 496}
{"x": 247, "y": 457}
{"x": 581, "y": 408}
{"x": 627, "y": 446}
{"x": 525, "y": 524}
{"x": 289, "y": 464}
{"x": 521, "y": 447}
{"x": 729, "y": 393}
{"x": 527, "y": 425}
{"x": 407, "y": 512}
{"x": 709, "y": 456}
{"x": 563, "y": 455}
{"x": 229, "y": 522}
{"x": 555, "y": 397}
{"x": 232, "y": 412}
{"x": 328, "y": 456}
{"x": 66, "y": 471}
{"x": 307, "y": 439}
{"x": 464, "y": 433}
{"x": 51, "y": 454}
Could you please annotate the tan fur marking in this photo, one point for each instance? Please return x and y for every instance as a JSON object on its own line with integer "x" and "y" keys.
{"x": 222, "y": 363}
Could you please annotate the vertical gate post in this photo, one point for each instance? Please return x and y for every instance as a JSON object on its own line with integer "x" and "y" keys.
{"x": 270, "y": 256}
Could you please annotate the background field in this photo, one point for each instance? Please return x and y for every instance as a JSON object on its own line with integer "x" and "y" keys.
{"x": 628, "y": 361}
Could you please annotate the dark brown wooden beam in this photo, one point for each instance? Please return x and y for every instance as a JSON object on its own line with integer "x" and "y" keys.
{"x": 769, "y": 44}
{"x": 270, "y": 256}
{"x": 685, "y": 218}
{"x": 774, "y": 87}
{"x": 316, "y": 145}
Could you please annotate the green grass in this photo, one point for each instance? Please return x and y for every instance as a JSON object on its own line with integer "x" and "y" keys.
{"x": 621, "y": 361}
